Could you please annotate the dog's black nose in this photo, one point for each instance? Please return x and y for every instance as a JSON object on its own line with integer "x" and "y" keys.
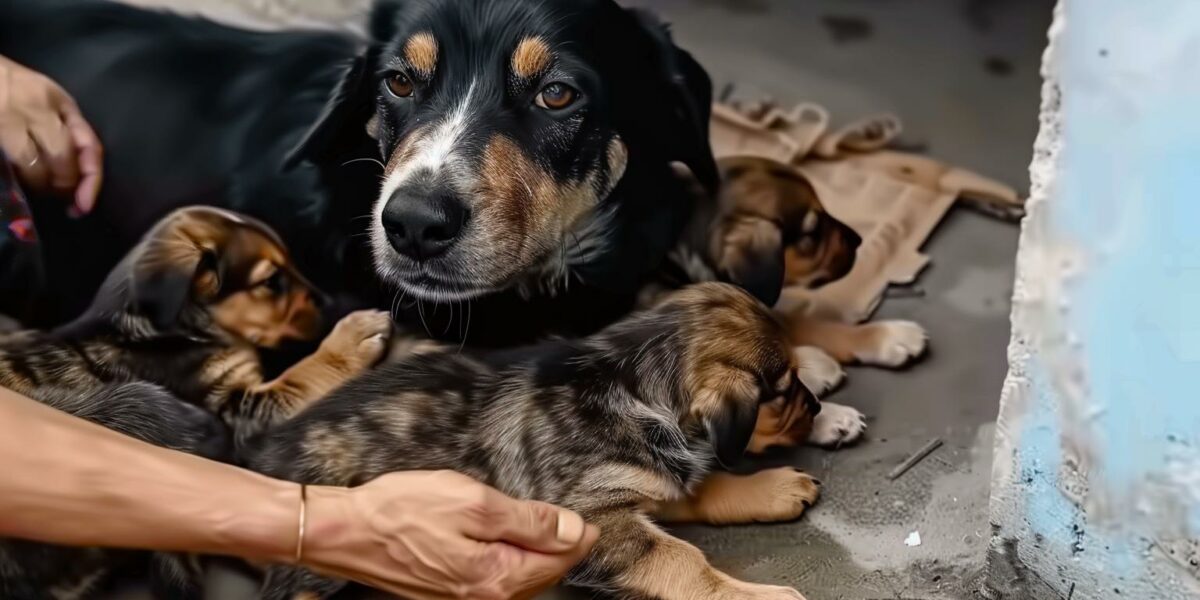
{"x": 423, "y": 226}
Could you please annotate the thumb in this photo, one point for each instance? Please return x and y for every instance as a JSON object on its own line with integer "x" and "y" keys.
{"x": 535, "y": 573}
{"x": 534, "y": 526}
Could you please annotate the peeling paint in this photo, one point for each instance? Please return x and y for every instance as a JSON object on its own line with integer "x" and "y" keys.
{"x": 1096, "y": 486}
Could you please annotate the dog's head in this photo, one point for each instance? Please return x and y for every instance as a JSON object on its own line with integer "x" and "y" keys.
{"x": 773, "y": 230}
{"x": 200, "y": 268}
{"x": 505, "y": 125}
{"x": 739, "y": 369}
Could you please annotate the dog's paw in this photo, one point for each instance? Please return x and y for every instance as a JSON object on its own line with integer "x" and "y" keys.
{"x": 789, "y": 493}
{"x": 893, "y": 344}
{"x": 837, "y": 426}
{"x": 818, "y": 371}
{"x": 753, "y": 591}
{"x": 359, "y": 340}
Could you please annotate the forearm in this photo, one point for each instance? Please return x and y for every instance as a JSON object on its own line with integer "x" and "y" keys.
{"x": 67, "y": 481}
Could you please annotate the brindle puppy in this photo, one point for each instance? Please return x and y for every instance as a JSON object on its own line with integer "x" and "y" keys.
{"x": 174, "y": 331}
{"x": 618, "y": 426}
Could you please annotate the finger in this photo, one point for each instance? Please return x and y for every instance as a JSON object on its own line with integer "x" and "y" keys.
{"x": 530, "y": 525}
{"x": 89, "y": 155}
{"x": 56, "y": 149}
{"x": 23, "y": 154}
{"x": 535, "y": 573}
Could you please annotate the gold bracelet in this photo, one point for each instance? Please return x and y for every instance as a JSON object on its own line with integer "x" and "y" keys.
{"x": 303, "y": 521}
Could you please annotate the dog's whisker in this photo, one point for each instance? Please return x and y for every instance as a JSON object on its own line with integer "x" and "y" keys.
{"x": 450, "y": 321}
{"x": 421, "y": 314}
{"x": 463, "y": 343}
{"x": 365, "y": 159}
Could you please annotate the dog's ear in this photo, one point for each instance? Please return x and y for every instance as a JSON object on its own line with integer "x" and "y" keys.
{"x": 163, "y": 286}
{"x": 730, "y": 425}
{"x": 381, "y": 25}
{"x": 180, "y": 261}
{"x": 342, "y": 126}
{"x": 748, "y": 251}
{"x": 682, "y": 124}
{"x": 727, "y": 405}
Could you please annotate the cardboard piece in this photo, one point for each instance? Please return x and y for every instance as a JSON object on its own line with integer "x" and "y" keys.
{"x": 894, "y": 200}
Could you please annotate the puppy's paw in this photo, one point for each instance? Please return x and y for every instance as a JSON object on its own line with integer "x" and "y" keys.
{"x": 359, "y": 340}
{"x": 788, "y": 493}
{"x": 754, "y": 591}
{"x": 837, "y": 426}
{"x": 818, "y": 371}
{"x": 893, "y": 344}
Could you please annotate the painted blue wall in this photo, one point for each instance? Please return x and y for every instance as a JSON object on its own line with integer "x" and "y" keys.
{"x": 1097, "y": 486}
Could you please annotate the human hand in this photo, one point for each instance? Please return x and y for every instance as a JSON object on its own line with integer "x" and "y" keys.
{"x": 51, "y": 146}
{"x": 435, "y": 535}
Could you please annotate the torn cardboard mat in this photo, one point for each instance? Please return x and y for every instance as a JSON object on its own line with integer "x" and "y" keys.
{"x": 894, "y": 200}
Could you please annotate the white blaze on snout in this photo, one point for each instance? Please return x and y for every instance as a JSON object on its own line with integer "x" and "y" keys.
{"x": 433, "y": 153}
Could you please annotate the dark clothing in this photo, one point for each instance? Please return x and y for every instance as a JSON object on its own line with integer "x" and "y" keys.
{"x": 21, "y": 272}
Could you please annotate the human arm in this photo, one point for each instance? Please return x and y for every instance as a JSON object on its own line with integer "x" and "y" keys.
{"x": 421, "y": 535}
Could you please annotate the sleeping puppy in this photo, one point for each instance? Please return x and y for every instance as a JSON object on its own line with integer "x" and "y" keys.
{"x": 760, "y": 197}
{"x": 620, "y": 426}
{"x": 765, "y": 230}
{"x": 188, "y": 310}
{"x": 167, "y": 353}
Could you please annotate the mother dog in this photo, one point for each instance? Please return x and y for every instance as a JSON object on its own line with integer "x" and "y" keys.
{"x": 526, "y": 149}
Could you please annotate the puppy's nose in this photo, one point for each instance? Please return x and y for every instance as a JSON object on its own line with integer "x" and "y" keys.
{"x": 423, "y": 226}
{"x": 853, "y": 239}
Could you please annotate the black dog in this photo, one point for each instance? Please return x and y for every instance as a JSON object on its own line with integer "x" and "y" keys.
{"x": 528, "y": 149}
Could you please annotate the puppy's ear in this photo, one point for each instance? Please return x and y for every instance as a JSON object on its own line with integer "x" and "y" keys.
{"x": 181, "y": 260}
{"x": 342, "y": 126}
{"x": 727, "y": 405}
{"x": 730, "y": 425}
{"x": 748, "y": 251}
{"x": 682, "y": 124}
{"x": 166, "y": 278}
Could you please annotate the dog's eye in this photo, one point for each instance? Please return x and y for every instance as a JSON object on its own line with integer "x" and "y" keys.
{"x": 400, "y": 85}
{"x": 807, "y": 245}
{"x": 556, "y": 96}
{"x": 276, "y": 284}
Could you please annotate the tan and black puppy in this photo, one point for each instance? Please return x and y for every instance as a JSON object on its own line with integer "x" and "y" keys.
{"x": 766, "y": 230}
{"x": 771, "y": 221}
{"x": 187, "y": 310}
{"x": 621, "y": 426}
{"x": 168, "y": 354}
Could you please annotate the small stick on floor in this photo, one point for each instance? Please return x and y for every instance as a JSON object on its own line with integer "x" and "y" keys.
{"x": 917, "y": 457}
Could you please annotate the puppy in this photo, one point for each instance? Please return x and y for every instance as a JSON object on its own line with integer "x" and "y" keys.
{"x": 167, "y": 353}
{"x": 766, "y": 207}
{"x": 619, "y": 426}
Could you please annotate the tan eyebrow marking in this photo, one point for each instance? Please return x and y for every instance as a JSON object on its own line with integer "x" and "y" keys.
{"x": 531, "y": 57}
{"x": 421, "y": 51}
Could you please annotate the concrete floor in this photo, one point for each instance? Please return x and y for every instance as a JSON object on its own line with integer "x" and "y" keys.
{"x": 963, "y": 76}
